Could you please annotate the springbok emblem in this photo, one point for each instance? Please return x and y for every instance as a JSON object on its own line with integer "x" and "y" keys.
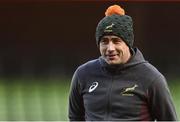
{"x": 109, "y": 28}
{"x": 128, "y": 90}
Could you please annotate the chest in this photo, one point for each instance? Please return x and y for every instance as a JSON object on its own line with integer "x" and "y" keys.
{"x": 117, "y": 96}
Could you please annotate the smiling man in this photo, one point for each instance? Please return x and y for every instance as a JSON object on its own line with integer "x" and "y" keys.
{"x": 114, "y": 50}
{"x": 120, "y": 85}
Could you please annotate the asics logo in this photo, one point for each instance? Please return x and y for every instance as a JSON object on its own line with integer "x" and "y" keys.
{"x": 93, "y": 86}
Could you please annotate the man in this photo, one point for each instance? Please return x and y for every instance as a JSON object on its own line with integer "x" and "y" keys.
{"x": 119, "y": 85}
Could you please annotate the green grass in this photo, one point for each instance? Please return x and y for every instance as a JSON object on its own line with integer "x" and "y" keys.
{"x": 175, "y": 88}
{"x": 38, "y": 100}
{"x": 44, "y": 99}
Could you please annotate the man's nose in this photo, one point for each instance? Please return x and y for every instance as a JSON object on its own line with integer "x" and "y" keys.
{"x": 111, "y": 46}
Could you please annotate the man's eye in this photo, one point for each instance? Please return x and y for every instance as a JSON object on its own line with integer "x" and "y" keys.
{"x": 104, "y": 41}
{"x": 116, "y": 41}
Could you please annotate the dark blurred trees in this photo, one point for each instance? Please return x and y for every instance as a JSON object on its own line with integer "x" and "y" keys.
{"x": 53, "y": 38}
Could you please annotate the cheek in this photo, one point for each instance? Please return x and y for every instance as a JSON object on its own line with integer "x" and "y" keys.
{"x": 125, "y": 50}
{"x": 102, "y": 50}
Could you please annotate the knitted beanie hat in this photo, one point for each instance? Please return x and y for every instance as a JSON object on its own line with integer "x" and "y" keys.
{"x": 116, "y": 23}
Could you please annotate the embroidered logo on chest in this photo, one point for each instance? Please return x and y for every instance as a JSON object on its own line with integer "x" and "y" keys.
{"x": 129, "y": 91}
{"x": 93, "y": 86}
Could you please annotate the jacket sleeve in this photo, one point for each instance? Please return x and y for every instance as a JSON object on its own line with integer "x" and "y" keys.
{"x": 76, "y": 108}
{"x": 160, "y": 101}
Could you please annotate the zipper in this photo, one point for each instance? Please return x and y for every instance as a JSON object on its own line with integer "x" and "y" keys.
{"x": 109, "y": 94}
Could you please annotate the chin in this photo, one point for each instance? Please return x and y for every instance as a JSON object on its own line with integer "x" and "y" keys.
{"x": 113, "y": 63}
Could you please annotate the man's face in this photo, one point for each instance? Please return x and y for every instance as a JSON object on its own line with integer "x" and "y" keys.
{"x": 114, "y": 50}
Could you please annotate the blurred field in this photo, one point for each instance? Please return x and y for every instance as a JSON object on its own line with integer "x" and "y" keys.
{"x": 43, "y": 99}
{"x": 175, "y": 89}
{"x": 35, "y": 99}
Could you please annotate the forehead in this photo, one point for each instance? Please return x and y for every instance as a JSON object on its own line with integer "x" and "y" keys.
{"x": 110, "y": 37}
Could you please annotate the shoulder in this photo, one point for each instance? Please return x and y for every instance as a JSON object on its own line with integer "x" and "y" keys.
{"x": 146, "y": 72}
{"x": 151, "y": 70}
{"x": 157, "y": 76}
{"x": 153, "y": 75}
{"x": 86, "y": 71}
{"x": 92, "y": 65}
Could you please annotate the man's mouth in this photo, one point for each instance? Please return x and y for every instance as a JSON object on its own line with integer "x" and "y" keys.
{"x": 111, "y": 56}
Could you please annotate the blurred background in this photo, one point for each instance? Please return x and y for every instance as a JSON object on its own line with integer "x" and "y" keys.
{"x": 42, "y": 42}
